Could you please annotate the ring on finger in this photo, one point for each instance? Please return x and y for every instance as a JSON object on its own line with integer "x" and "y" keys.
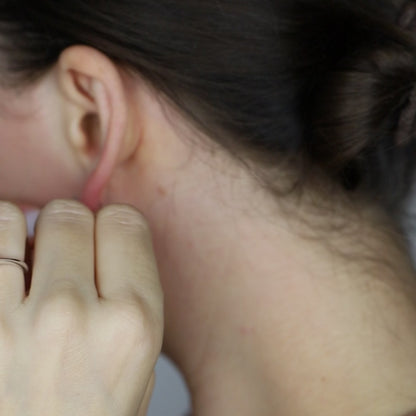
{"x": 15, "y": 262}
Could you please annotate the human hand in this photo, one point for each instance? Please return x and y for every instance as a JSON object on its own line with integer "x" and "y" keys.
{"x": 85, "y": 339}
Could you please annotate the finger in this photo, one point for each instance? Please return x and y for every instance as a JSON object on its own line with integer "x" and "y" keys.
{"x": 12, "y": 245}
{"x": 64, "y": 251}
{"x": 126, "y": 265}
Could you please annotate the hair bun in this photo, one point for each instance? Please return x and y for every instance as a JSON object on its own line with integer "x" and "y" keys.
{"x": 407, "y": 16}
{"x": 364, "y": 110}
{"x": 406, "y": 124}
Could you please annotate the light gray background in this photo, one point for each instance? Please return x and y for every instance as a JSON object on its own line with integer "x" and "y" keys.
{"x": 170, "y": 397}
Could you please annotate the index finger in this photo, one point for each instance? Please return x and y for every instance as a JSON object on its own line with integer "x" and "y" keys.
{"x": 125, "y": 261}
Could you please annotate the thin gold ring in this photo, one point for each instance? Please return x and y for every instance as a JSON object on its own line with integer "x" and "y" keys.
{"x": 14, "y": 262}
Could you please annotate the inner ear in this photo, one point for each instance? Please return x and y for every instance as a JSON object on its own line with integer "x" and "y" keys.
{"x": 82, "y": 83}
{"x": 90, "y": 125}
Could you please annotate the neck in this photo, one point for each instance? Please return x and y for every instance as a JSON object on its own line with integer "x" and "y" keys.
{"x": 257, "y": 294}
{"x": 264, "y": 307}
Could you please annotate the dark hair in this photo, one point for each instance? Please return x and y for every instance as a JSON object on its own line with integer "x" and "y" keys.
{"x": 325, "y": 84}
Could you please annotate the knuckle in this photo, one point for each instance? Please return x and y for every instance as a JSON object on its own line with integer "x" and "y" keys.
{"x": 61, "y": 313}
{"x": 10, "y": 213}
{"x": 137, "y": 328}
{"x": 66, "y": 211}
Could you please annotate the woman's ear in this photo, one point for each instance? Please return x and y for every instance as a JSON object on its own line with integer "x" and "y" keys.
{"x": 96, "y": 115}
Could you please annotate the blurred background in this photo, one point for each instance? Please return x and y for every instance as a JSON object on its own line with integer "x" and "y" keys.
{"x": 170, "y": 397}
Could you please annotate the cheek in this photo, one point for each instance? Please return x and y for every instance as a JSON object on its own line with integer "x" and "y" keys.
{"x": 30, "y": 171}
{"x": 14, "y": 157}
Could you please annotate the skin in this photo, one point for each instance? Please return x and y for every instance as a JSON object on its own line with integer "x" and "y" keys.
{"x": 60, "y": 344}
{"x": 259, "y": 319}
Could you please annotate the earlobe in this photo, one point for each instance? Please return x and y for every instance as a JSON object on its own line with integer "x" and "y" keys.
{"x": 93, "y": 92}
